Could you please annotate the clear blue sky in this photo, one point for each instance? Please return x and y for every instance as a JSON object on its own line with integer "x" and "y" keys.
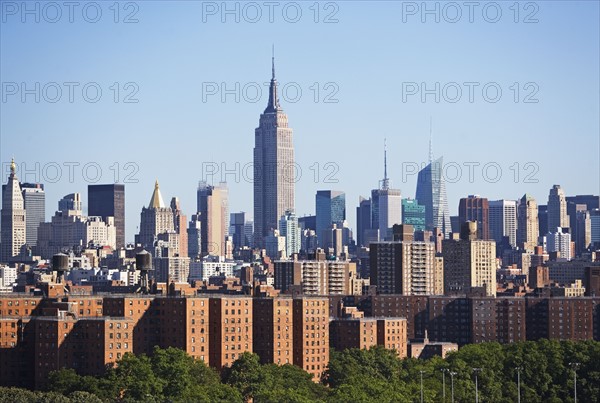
{"x": 369, "y": 54}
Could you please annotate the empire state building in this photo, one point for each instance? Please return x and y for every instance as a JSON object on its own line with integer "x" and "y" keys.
{"x": 274, "y": 170}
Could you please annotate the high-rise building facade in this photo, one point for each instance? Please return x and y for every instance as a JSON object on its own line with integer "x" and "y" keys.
{"x": 386, "y": 205}
{"x": 13, "y": 234}
{"x": 194, "y": 236}
{"x": 363, "y": 221}
{"x": 330, "y": 207}
{"x": 406, "y": 267}
{"x": 503, "y": 221}
{"x": 475, "y": 208}
{"x": 237, "y": 222}
{"x": 34, "y": 200}
{"x": 413, "y": 214}
{"x": 155, "y": 219}
{"x": 469, "y": 262}
{"x": 274, "y": 169}
{"x": 559, "y": 240}
{"x": 109, "y": 201}
{"x": 288, "y": 227}
{"x": 180, "y": 226}
{"x": 431, "y": 192}
{"x": 557, "y": 208}
{"x": 527, "y": 229}
{"x": 70, "y": 202}
{"x": 213, "y": 206}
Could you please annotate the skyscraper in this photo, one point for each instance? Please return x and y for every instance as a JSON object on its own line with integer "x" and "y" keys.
{"x": 70, "y": 202}
{"x": 156, "y": 219}
{"x": 274, "y": 169}
{"x": 194, "y": 236}
{"x": 330, "y": 207}
{"x": 503, "y": 221}
{"x": 13, "y": 233}
{"x": 559, "y": 241}
{"x": 557, "y": 208}
{"x": 475, "y": 208}
{"x": 363, "y": 220}
{"x": 109, "y": 201}
{"x": 180, "y": 225}
{"x": 469, "y": 262}
{"x": 386, "y": 204}
{"x": 34, "y": 200}
{"x": 213, "y": 206}
{"x": 288, "y": 227}
{"x": 413, "y": 214}
{"x": 237, "y": 224}
{"x": 431, "y": 192}
{"x": 527, "y": 216}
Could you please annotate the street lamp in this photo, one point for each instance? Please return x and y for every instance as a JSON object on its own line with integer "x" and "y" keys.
{"x": 452, "y": 373}
{"x": 476, "y": 371}
{"x": 421, "y": 385}
{"x": 519, "y": 369}
{"x": 574, "y": 366}
{"x": 444, "y": 370}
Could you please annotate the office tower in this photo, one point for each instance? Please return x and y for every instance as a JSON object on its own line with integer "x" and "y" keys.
{"x": 275, "y": 245}
{"x": 475, "y": 208}
{"x": 363, "y": 220}
{"x": 274, "y": 169}
{"x": 503, "y": 221}
{"x": 180, "y": 225}
{"x": 70, "y": 229}
{"x": 333, "y": 240}
{"x": 595, "y": 227}
{"x": 249, "y": 232}
{"x": 213, "y": 206}
{"x": 70, "y": 202}
{"x": 559, "y": 240}
{"x": 581, "y": 229}
{"x": 527, "y": 217}
{"x": 413, "y": 214}
{"x": 431, "y": 192}
{"x": 13, "y": 234}
{"x": 308, "y": 222}
{"x": 557, "y": 208}
{"x": 308, "y": 241}
{"x": 34, "y": 200}
{"x": 155, "y": 219}
{"x": 109, "y": 201}
{"x": 542, "y": 220}
{"x": 469, "y": 262}
{"x": 169, "y": 269}
{"x": 194, "y": 236}
{"x": 288, "y": 227}
{"x": 330, "y": 207}
{"x": 404, "y": 267}
{"x": 237, "y": 222}
{"x": 386, "y": 204}
{"x": 591, "y": 202}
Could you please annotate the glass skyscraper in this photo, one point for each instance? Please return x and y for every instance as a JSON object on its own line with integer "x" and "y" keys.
{"x": 331, "y": 209}
{"x": 431, "y": 192}
{"x": 413, "y": 214}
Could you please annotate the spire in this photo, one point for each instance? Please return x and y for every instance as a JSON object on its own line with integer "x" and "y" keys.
{"x": 385, "y": 183}
{"x": 430, "y": 140}
{"x": 273, "y": 62}
{"x": 13, "y": 166}
{"x": 273, "y": 104}
{"x": 156, "y": 201}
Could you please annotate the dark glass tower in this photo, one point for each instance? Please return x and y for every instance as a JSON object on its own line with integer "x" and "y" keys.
{"x": 109, "y": 201}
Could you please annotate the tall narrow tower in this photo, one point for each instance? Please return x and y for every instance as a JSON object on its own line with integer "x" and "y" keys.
{"x": 274, "y": 170}
{"x": 13, "y": 232}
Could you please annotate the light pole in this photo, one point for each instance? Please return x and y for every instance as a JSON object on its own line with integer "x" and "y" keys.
{"x": 519, "y": 369}
{"x": 444, "y": 370}
{"x": 575, "y": 367}
{"x": 421, "y": 385}
{"x": 476, "y": 371}
{"x": 452, "y": 373}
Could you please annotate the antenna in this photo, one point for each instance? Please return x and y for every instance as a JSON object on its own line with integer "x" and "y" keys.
{"x": 273, "y": 61}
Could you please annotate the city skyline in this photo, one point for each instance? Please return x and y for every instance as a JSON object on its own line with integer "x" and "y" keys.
{"x": 568, "y": 90}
